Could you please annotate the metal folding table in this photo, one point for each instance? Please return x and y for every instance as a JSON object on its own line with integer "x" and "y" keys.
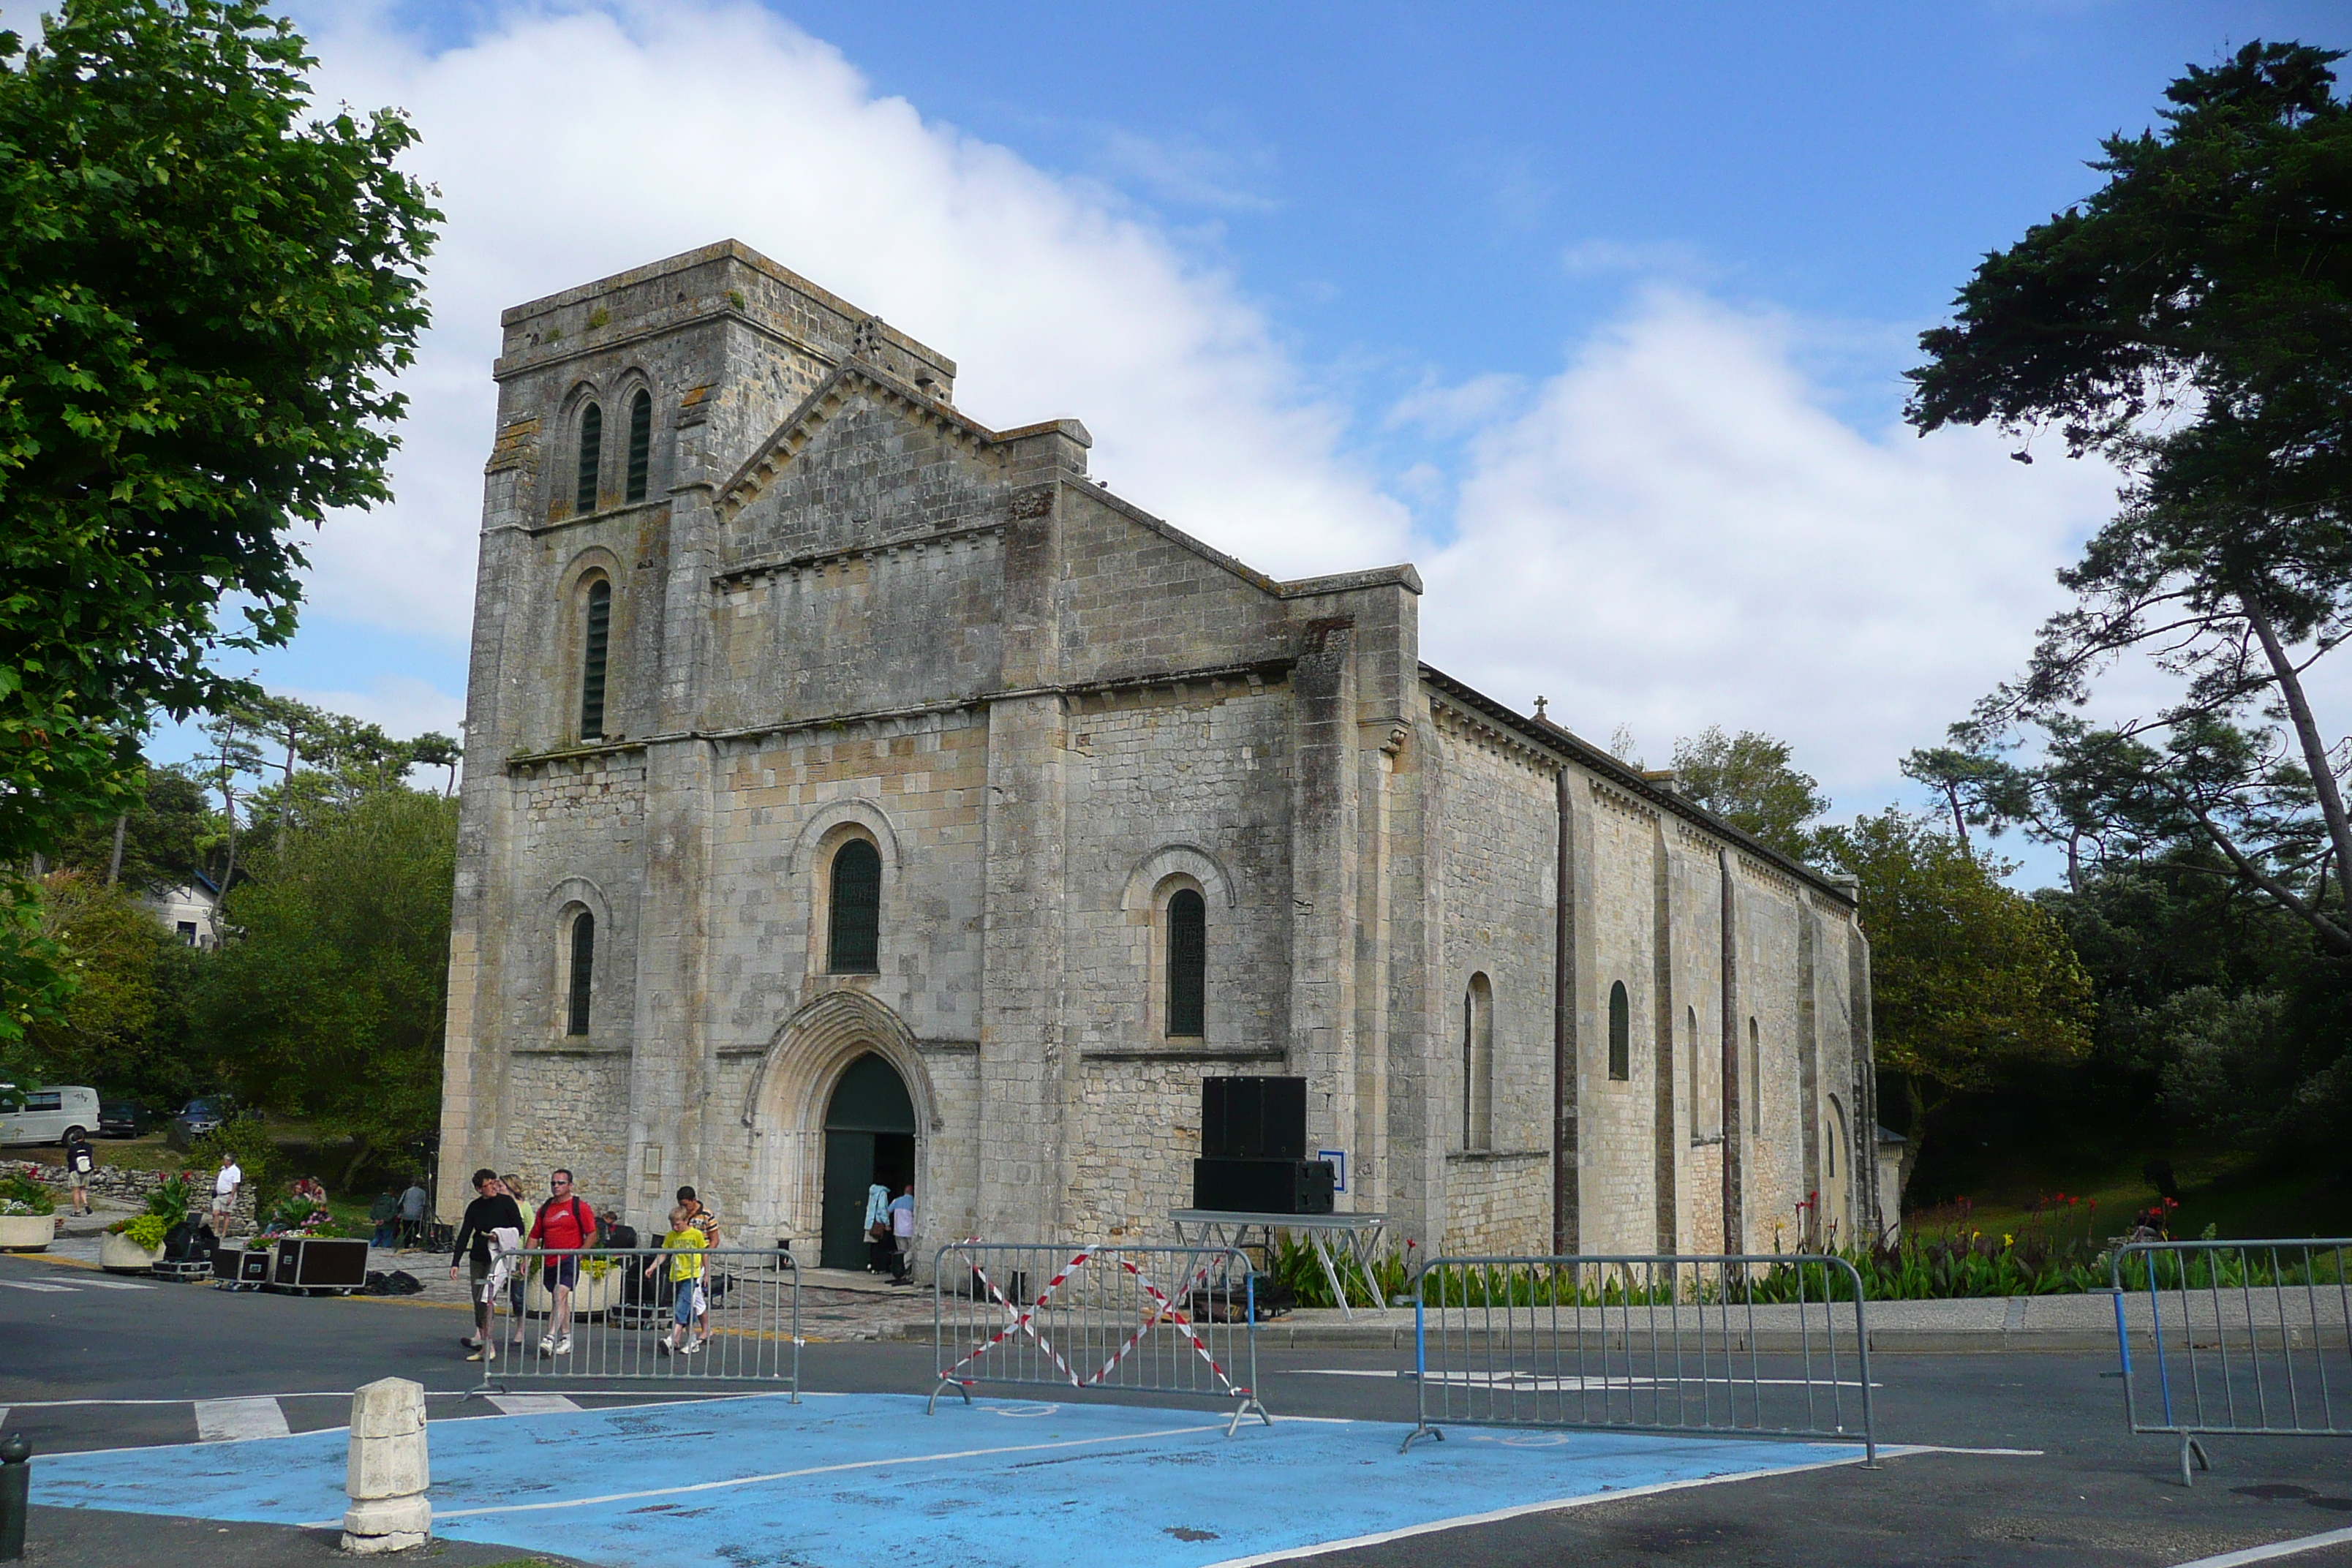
{"x": 1357, "y": 1236}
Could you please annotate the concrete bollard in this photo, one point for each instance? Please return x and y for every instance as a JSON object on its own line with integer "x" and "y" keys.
{"x": 387, "y": 1473}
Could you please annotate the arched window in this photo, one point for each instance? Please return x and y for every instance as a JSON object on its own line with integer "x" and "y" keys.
{"x": 855, "y": 945}
{"x": 1478, "y": 1064}
{"x": 1188, "y": 962}
{"x": 641, "y": 445}
{"x": 597, "y": 641}
{"x": 1621, "y": 1032}
{"x": 592, "y": 454}
{"x": 1836, "y": 1210}
{"x": 1754, "y": 1084}
{"x": 582, "y": 972}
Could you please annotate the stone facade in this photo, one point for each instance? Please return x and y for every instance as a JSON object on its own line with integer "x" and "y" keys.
{"x": 1542, "y": 1002}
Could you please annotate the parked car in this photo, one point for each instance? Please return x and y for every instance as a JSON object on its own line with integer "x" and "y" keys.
{"x": 122, "y": 1119}
{"x": 202, "y": 1115}
{"x": 50, "y": 1116}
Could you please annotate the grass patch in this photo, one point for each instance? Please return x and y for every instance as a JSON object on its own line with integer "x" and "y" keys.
{"x": 2237, "y": 1194}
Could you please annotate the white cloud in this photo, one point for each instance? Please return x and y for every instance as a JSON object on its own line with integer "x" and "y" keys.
{"x": 1188, "y": 171}
{"x": 569, "y": 146}
{"x": 1663, "y": 258}
{"x": 1675, "y": 530}
{"x": 1676, "y": 533}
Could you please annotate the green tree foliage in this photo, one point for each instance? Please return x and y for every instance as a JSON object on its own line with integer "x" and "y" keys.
{"x": 124, "y": 1029}
{"x": 329, "y": 1001}
{"x": 2192, "y": 322}
{"x": 2216, "y": 1010}
{"x": 1981, "y": 788}
{"x": 208, "y": 292}
{"x": 169, "y": 834}
{"x": 1748, "y": 780}
{"x": 1970, "y": 980}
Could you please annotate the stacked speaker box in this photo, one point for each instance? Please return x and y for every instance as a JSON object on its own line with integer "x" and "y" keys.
{"x": 1252, "y": 1148}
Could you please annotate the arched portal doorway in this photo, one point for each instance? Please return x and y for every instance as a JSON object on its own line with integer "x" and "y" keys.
{"x": 870, "y": 1138}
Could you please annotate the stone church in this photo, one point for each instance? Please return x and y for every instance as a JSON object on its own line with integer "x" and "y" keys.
{"x": 860, "y": 792}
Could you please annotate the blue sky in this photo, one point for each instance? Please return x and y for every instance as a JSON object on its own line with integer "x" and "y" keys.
{"x": 1597, "y": 313}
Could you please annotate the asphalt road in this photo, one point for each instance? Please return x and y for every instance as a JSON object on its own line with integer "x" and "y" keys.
{"x": 2091, "y": 1495}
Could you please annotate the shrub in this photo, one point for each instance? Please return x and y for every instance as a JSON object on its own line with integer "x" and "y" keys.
{"x": 245, "y": 1138}
{"x": 169, "y": 1201}
{"x": 146, "y": 1230}
{"x": 20, "y": 1195}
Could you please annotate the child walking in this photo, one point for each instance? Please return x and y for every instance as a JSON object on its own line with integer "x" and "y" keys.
{"x": 690, "y": 1316}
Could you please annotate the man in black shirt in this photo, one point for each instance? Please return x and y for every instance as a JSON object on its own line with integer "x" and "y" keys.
{"x": 492, "y": 1210}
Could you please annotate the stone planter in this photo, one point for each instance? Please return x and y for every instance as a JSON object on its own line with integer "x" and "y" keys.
{"x": 120, "y": 1255}
{"x": 26, "y": 1232}
{"x": 590, "y": 1296}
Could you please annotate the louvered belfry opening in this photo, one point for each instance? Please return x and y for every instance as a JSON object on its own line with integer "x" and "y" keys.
{"x": 583, "y": 969}
{"x": 1188, "y": 963}
{"x": 641, "y": 445}
{"x": 591, "y": 453}
{"x": 593, "y": 660}
{"x": 855, "y": 947}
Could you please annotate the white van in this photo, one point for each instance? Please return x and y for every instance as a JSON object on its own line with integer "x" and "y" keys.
{"x": 50, "y": 1116}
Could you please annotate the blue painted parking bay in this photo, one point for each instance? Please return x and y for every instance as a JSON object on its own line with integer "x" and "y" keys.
{"x": 870, "y": 1481}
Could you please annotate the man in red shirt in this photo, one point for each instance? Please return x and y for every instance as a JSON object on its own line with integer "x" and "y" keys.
{"x": 565, "y": 1224}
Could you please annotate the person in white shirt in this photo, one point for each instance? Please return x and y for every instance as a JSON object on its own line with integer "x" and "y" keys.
{"x": 902, "y": 1231}
{"x": 225, "y": 1186}
{"x": 879, "y": 1251}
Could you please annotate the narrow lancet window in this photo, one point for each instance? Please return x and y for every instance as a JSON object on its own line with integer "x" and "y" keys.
{"x": 641, "y": 444}
{"x": 591, "y": 453}
{"x": 583, "y": 969}
{"x": 855, "y": 945}
{"x": 592, "y": 658}
{"x": 1753, "y": 1090}
{"x": 1188, "y": 963}
{"x": 1621, "y": 1032}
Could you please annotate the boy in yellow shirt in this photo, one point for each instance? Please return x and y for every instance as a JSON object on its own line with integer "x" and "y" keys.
{"x": 691, "y": 1311}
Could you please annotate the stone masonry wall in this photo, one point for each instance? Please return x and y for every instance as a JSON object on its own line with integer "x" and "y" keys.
{"x": 1192, "y": 783}
{"x": 571, "y": 1111}
{"x": 1499, "y": 836}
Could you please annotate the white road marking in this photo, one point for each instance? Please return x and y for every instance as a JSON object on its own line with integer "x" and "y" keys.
{"x": 530, "y": 1404}
{"x": 820, "y": 1470}
{"x": 2275, "y": 1548}
{"x": 113, "y": 1285}
{"x": 234, "y": 1420}
{"x": 30, "y": 1285}
{"x": 1555, "y": 1504}
{"x": 1544, "y": 1383}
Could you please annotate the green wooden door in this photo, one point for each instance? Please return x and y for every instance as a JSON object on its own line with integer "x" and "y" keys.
{"x": 869, "y": 1104}
{"x": 848, "y": 1170}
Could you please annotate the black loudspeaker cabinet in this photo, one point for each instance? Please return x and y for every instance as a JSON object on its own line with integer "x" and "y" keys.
{"x": 319, "y": 1263}
{"x": 1253, "y": 1118}
{"x": 1262, "y": 1186}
